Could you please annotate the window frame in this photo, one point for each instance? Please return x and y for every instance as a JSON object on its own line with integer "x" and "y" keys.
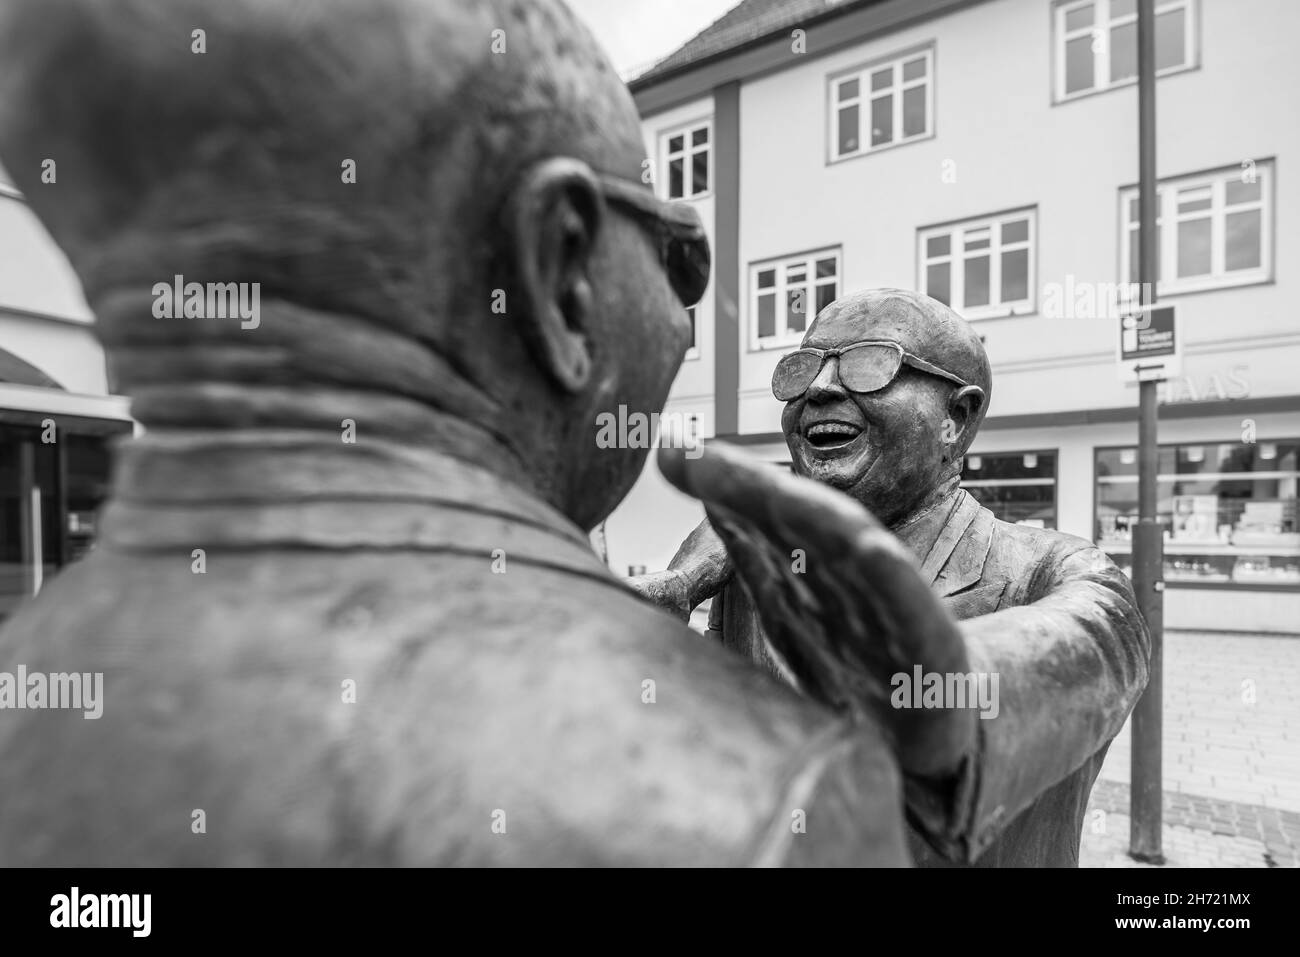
{"x": 1168, "y": 218}
{"x": 956, "y": 231}
{"x": 862, "y": 73}
{"x": 693, "y": 351}
{"x": 784, "y": 338}
{"x": 687, "y": 153}
{"x": 1054, "y": 481}
{"x": 1101, "y": 58}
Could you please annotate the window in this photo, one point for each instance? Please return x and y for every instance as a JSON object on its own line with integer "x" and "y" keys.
{"x": 693, "y": 350}
{"x": 786, "y": 294}
{"x": 882, "y": 104}
{"x": 49, "y": 496}
{"x": 1213, "y": 229}
{"x": 1096, "y": 43}
{"x": 686, "y": 158}
{"x": 981, "y": 267}
{"x": 1228, "y": 510}
{"x": 1017, "y": 487}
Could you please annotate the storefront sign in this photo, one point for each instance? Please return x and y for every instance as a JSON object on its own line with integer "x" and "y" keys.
{"x": 1232, "y": 384}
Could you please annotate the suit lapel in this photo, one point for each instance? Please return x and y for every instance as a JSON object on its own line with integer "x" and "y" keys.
{"x": 957, "y": 558}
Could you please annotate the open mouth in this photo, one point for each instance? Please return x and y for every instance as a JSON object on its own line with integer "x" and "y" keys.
{"x": 831, "y": 435}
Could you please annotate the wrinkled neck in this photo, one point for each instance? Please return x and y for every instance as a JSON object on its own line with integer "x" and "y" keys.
{"x": 265, "y": 466}
{"x": 210, "y": 495}
{"x": 298, "y": 402}
{"x": 935, "y": 500}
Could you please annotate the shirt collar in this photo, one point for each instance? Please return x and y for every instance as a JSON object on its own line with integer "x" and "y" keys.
{"x": 248, "y": 490}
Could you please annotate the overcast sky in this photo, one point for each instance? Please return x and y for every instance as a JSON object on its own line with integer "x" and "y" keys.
{"x": 637, "y": 32}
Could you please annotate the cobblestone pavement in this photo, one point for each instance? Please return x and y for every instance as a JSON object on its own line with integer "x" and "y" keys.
{"x": 1197, "y": 832}
{"x": 1231, "y": 758}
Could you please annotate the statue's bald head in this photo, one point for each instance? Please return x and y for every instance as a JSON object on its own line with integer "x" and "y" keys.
{"x": 922, "y": 325}
{"x": 899, "y": 448}
{"x": 217, "y": 136}
{"x": 374, "y": 166}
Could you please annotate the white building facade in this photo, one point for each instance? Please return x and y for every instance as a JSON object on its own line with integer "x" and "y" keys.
{"x": 985, "y": 151}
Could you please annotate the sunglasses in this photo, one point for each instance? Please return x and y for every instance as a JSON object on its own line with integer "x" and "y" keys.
{"x": 676, "y": 230}
{"x": 866, "y": 366}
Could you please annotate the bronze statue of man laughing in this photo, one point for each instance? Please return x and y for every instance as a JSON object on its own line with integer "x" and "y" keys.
{"x": 344, "y": 599}
{"x": 882, "y": 400}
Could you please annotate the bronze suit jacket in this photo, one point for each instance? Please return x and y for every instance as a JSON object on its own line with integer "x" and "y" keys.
{"x": 1053, "y": 617}
{"x": 418, "y": 664}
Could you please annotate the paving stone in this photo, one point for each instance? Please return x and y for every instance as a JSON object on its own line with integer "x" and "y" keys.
{"x": 1231, "y": 770}
{"x": 1216, "y": 744}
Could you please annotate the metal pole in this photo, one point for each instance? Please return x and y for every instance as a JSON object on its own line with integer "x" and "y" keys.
{"x": 1148, "y": 542}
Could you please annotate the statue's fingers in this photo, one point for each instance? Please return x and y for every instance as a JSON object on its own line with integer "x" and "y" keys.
{"x": 784, "y": 506}
{"x": 794, "y": 620}
{"x": 813, "y": 529}
{"x": 866, "y": 611}
{"x": 840, "y": 548}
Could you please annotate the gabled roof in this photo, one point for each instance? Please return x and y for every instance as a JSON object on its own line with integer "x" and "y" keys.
{"x": 747, "y": 22}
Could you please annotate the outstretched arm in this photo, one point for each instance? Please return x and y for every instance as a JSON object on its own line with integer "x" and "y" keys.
{"x": 1071, "y": 665}
{"x": 697, "y": 572}
{"x": 841, "y": 599}
{"x": 844, "y": 606}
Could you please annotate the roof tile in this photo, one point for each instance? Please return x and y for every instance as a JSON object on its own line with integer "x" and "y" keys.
{"x": 749, "y": 20}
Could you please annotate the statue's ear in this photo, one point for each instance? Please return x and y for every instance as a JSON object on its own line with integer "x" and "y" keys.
{"x": 965, "y": 408}
{"x": 555, "y": 214}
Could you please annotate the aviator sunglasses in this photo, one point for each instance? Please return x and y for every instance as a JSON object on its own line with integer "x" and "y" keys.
{"x": 866, "y": 366}
{"x": 676, "y": 229}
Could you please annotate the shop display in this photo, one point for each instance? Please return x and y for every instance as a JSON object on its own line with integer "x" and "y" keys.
{"x": 1195, "y": 518}
{"x": 1228, "y": 512}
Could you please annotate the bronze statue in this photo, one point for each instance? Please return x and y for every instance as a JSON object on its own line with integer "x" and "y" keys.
{"x": 883, "y": 399}
{"x": 344, "y": 601}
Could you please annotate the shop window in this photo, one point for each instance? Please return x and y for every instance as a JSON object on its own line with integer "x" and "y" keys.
{"x": 50, "y": 493}
{"x": 1017, "y": 487}
{"x": 29, "y": 525}
{"x": 86, "y": 474}
{"x": 1228, "y": 511}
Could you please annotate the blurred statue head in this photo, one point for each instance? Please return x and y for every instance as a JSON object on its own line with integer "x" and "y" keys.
{"x": 883, "y": 399}
{"x": 441, "y": 202}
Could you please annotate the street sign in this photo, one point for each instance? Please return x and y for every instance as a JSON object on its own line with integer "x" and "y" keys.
{"x": 1148, "y": 347}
